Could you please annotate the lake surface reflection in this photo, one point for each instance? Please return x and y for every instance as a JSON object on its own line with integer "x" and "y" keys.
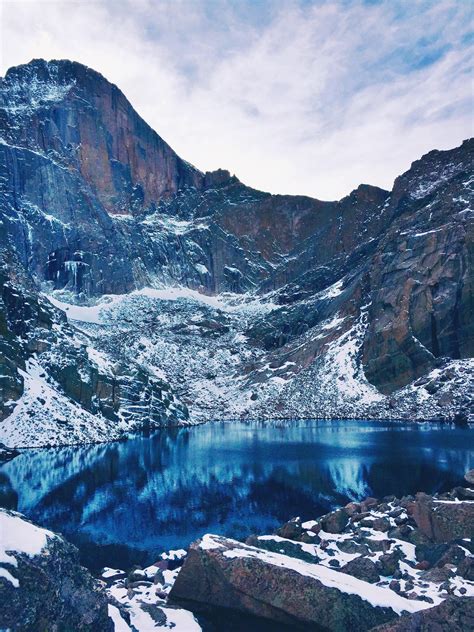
{"x": 124, "y": 503}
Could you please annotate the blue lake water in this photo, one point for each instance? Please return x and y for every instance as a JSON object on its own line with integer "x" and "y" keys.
{"x": 126, "y": 502}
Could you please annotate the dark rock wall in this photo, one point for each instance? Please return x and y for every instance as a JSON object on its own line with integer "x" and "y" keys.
{"x": 422, "y": 273}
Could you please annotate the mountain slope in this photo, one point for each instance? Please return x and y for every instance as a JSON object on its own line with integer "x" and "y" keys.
{"x": 283, "y": 306}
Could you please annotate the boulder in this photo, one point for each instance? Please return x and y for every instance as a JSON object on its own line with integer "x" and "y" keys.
{"x": 368, "y": 503}
{"x": 466, "y": 568}
{"x": 349, "y": 546}
{"x": 291, "y": 530}
{"x": 388, "y": 563}
{"x": 443, "y": 520}
{"x": 464, "y": 493}
{"x": 454, "y": 555}
{"x": 352, "y": 508}
{"x": 220, "y": 573}
{"x": 456, "y": 614}
{"x": 437, "y": 574}
{"x": 43, "y": 588}
{"x": 381, "y": 524}
{"x": 336, "y": 521}
{"x": 362, "y": 568}
{"x": 431, "y": 553}
{"x": 469, "y": 477}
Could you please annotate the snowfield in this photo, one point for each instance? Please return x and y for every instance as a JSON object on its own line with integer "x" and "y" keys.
{"x": 207, "y": 349}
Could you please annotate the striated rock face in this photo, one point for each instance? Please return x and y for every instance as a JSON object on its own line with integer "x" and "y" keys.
{"x": 359, "y": 307}
{"x": 422, "y": 273}
{"x": 42, "y": 585}
{"x": 86, "y": 123}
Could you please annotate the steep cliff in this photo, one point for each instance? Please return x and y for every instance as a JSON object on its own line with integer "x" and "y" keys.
{"x": 356, "y": 307}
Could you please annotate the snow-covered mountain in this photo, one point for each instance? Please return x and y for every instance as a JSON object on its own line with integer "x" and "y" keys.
{"x": 138, "y": 291}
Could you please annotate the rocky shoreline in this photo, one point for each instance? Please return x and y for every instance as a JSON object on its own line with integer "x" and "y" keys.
{"x": 390, "y": 564}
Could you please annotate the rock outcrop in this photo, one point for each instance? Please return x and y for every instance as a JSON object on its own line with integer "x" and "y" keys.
{"x": 224, "y": 573}
{"x": 364, "y": 577}
{"x": 42, "y": 585}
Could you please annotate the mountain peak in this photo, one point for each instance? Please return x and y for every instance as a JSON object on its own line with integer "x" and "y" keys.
{"x": 371, "y": 292}
{"x": 58, "y": 70}
{"x": 90, "y": 126}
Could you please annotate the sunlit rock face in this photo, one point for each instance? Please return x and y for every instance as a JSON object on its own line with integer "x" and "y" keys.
{"x": 71, "y": 113}
{"x": 331, "y": 308}
{"x": 101, "y": 204}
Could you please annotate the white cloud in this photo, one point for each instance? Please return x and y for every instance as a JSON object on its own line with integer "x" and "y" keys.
{"x": 293, "y": 98}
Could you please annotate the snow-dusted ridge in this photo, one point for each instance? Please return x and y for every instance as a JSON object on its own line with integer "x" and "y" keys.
{"x": 58, "y": 420}
{"x": 190, "y": 289}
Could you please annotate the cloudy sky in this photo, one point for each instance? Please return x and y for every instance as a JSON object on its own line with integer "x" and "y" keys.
{"x": 298, "y": 96}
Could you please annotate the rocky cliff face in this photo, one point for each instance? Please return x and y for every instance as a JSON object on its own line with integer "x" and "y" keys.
{"x": 351, "y": 308}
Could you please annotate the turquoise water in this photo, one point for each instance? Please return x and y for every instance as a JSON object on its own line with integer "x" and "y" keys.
{"x": 124, "y": 503}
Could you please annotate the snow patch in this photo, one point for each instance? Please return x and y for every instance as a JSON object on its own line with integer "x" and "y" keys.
{"x": 19, "y": 536}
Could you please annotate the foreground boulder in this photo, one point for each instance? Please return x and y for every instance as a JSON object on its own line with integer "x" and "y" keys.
{"x": 453, "y": 615}
{"x": 43, "y": 588}
{"x": 442, "y": 520}
{"x": 223, "y": 573}
{"x": 392, "y": 562}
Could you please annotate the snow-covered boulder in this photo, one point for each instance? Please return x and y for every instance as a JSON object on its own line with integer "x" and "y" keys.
{"x": 442, "y": 520}
{"x": 377, "y": 566}
{"x": 224, "y": 573}
{"x": 42, "y": 585}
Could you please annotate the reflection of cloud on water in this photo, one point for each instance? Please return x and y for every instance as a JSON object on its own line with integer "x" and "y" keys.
{"x": 350, "y": 478}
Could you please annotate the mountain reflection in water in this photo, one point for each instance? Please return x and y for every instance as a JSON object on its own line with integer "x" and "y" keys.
{"x": 124, "y": 503}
